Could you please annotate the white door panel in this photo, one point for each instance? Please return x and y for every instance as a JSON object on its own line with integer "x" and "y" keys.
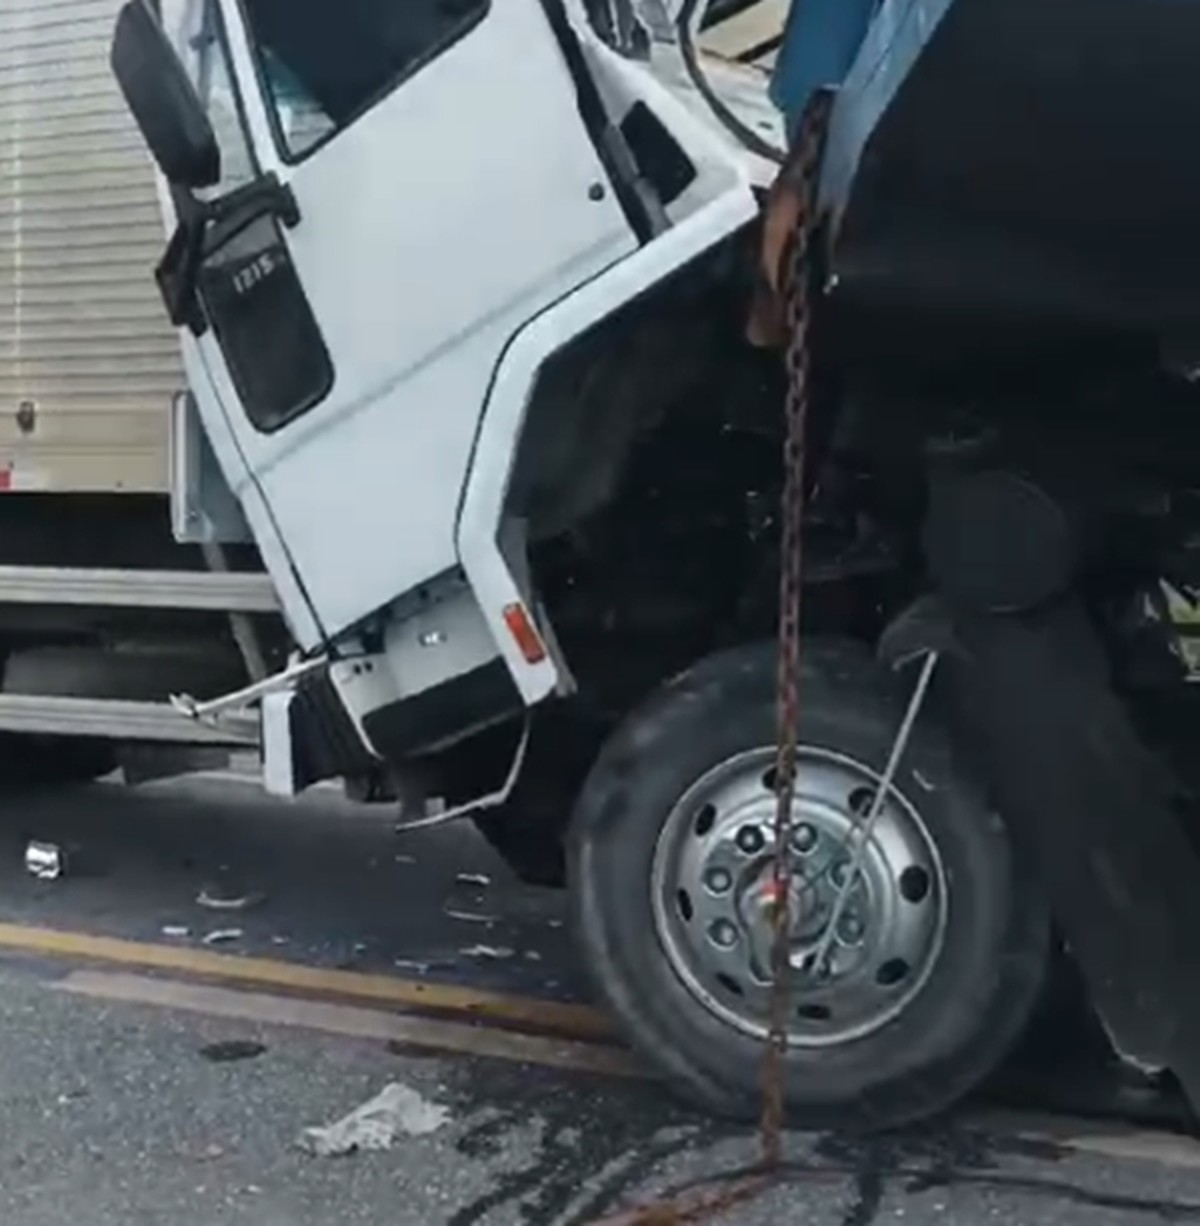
{"x": 217, "y": 413}
{"x": 358, "y": 552}
{"x": 431, "y": 228}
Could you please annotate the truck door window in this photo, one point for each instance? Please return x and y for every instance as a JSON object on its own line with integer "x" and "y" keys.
{"x": 272, "y": 344}
{"x": 325, "y": 62}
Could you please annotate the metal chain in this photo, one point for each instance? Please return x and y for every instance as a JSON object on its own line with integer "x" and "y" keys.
{"x": 797, "y": 287}
{"x": 801, "y": 174}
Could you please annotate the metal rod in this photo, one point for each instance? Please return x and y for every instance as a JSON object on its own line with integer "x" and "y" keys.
{"x": 863, "y": 833}
{"x": 491, "y": 800}
{"x": 185, "y": 704}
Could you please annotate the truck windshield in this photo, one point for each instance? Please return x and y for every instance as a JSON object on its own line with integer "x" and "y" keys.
{"x": 325, "y": 62}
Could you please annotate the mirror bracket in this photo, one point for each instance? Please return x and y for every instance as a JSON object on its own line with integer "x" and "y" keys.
{"x": 205, "y": 226}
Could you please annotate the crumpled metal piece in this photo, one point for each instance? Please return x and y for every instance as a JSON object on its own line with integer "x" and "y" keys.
{"x": 397, "y": 1108}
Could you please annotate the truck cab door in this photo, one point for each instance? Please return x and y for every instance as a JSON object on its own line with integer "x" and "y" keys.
{"x": 440, "y": 190}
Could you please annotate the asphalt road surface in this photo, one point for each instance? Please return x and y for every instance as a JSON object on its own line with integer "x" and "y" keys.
{"x": 149, "y": 1077}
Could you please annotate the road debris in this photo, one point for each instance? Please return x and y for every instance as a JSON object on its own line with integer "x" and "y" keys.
{"x": 473, "y": 879}
{"x": 422, "y": 966}
{"x": 218, "y": 898}
{"x": 397, "y": 1108}
{"x": 471, "y": 917}
{"x": 45, "y": 861}
{"x": 229, "y": 1050}
{"x": 488, "y": 951}
{"x": 178, "y": 931}
{"x": 222, "y": 936}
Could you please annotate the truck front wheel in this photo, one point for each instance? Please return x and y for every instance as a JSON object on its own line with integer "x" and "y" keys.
{"x": 936, "y": 962}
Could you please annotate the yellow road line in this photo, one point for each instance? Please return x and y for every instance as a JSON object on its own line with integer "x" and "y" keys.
{"x": 350, "y": 1020}
{"x": 574, "y": 1021}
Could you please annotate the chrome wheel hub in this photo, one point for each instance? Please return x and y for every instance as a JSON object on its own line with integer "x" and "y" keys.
{"x": 713, "y": 897}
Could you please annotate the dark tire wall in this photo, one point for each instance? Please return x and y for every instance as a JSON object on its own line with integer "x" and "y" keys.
{"x": 990, "y": 970}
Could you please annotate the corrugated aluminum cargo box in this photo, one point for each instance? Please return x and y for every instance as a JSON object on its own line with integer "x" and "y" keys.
{"x": 88, "y": 362}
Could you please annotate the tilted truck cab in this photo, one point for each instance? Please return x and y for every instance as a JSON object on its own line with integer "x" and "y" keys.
{"x": 462, "y": 290}
{"x": 391, "y": 320}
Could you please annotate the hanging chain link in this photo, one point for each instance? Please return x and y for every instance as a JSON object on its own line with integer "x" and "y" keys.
{"x": 801, "y": 175}
{"x": 797, "y": 287}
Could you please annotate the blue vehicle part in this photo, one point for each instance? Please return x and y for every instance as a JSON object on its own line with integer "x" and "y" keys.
{"x": 820, "y": 40}
{"x": 1001, "y": 173}
{"x": 885, "y": 54}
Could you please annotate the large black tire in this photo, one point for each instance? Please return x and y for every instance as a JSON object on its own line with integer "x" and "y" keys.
{"x": 980, "y": 989}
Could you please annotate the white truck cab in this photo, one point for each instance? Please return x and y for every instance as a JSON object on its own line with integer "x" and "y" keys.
{"x": 432, "y": 207}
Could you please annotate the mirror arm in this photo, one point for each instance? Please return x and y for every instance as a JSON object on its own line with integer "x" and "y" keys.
{"x": 180, "y": 264}
{"x": 206, "y": 226}
{"x": 261, "y": 197}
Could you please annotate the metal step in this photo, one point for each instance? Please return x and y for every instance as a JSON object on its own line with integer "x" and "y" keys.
{"x": 119, "y": 719}
{"x": 212, "y": 591}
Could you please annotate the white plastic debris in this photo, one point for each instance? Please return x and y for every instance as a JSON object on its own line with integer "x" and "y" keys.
{"x": 470, "y": 917}
{"x": 44, "y": 861}
{"x": 176, "y": 930}
{"x": 473, "y": 879}
{"x": 212, "y": 898}
{"x": 222, "y": 936}
{"x": 397, "y": 1108}
{"x": 488, "y": 951}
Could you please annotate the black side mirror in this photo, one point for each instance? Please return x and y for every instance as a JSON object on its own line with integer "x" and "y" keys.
{"x": 163, "y": 102}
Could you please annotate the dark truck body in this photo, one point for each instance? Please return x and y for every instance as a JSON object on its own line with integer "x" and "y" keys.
{"x": 1008, "y": 171}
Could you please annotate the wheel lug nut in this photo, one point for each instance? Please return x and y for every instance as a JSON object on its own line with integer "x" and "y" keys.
{"x": 718, "y": 880}
{"x": 850, "y": 928}
{"x": 750, "y": 839}
{"x": 723, "y": 934}
{"x": 839, "y": 873}
{"x": 804, "y": 838}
